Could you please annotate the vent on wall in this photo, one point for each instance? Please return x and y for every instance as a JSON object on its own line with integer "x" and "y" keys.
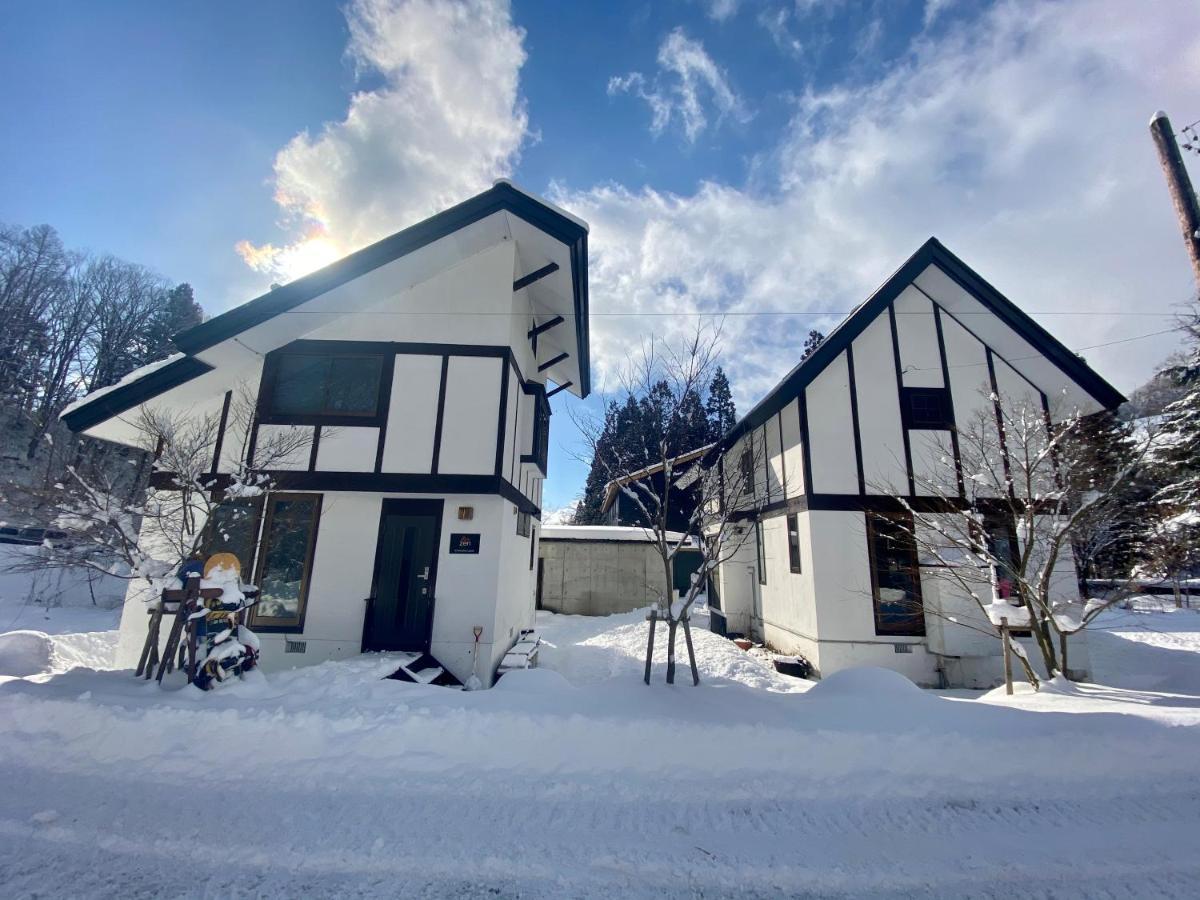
{"x": 902, "y": 648}
{"x": 294, "y": 646}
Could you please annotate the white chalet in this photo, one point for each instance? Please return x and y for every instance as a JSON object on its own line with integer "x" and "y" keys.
{"x": 418, "y": 367}
{"x": 848, "y": 432}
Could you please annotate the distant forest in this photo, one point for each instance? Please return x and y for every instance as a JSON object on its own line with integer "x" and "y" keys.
{"x": 72, "y": 322}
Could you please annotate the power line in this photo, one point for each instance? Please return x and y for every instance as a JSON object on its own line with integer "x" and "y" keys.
{"x": 718, "y": 313}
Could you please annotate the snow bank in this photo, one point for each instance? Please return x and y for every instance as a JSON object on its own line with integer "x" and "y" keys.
{"x": 25, "y": 653}
{"x": 865, "y": 682}
{"x": 579, "y": 780}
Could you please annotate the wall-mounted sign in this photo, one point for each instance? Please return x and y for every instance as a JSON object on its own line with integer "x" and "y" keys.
{"x": 464, "y": 543}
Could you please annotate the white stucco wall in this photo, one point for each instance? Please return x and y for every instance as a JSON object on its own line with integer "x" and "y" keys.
{"x": 831, "y": 431}
{"x": 879, "y": 410}
{"x": 408, "y": 446}
{"x": 471, "y": 412}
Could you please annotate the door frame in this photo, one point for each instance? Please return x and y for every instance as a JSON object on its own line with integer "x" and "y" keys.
{"x": 413, "y": 507}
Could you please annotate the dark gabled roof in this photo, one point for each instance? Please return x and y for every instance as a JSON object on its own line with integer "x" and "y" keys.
{"x": 931, "y": 252}
{"x": 500, "y": 197}
{"x": 124, "y": 397}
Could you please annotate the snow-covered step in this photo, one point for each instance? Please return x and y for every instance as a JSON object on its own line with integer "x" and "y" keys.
{"x": 424, "y": 676}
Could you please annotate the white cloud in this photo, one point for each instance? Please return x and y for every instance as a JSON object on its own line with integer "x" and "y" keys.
{"x": 444, "y": 123}
{"x": 687, "y": 83}
{"x": 720, "y": 10}
{"x": 1019, "y": 140}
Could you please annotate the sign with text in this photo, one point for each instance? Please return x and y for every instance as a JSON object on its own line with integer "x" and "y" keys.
{"x": 464, "y": 543}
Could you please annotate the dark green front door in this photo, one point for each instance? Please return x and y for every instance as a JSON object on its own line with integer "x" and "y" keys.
{"x": 401, "y": 609}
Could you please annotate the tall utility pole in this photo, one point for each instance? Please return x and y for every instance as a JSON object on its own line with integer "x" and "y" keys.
{"x": 1183, "y": 196}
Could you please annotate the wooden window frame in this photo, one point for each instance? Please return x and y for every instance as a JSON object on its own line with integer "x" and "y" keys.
{"x": 248, "y": 565}
{"x": 793, "y": 530}
{"x": 271, "y": 366}
{"x": 261, "y": 623}
{"x": 914, "y": 567}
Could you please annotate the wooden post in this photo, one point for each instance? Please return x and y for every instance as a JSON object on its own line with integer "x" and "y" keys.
{"x": 151, "y": 642}
{"x": 687, "y": 635}
{"x": 1062, "y": 653}
{"x": 652, "y": 618}
{"x": 1187, "y": 210}
{"x": 1008, "y": 687}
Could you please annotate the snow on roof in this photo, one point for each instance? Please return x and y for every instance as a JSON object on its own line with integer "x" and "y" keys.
{"x": 135, "y": 375}
{"x": 602, "y": 533}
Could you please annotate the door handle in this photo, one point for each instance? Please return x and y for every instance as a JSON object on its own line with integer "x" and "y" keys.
{"x": 424, "y": 576}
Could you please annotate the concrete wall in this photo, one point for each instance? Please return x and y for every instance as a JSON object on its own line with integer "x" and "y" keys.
{"x": 599, "y": 578}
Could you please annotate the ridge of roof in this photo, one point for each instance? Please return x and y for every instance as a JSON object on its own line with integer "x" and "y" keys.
{"x": 930, "y": 252}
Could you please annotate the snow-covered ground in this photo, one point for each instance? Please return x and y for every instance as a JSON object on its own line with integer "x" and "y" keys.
{"x": 578, "y": 780}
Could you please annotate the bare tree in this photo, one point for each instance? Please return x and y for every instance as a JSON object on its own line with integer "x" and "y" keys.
{"x": 1001, "y": 515}
{"x": 150, "y": 540}
{"x": 667, "y": 380}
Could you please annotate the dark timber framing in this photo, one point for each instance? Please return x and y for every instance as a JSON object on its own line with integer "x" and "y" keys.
{"x": 221, "y": 426}
{"x": 991, "y": 367}
{"x": 551, "y": 363}
{"x": 937, "y": 324}
{"x": 908, "y": 466}
{"x": 538, "y": 275}
{"x": 441, "y": 413}
{"x": 858, "y": 456}
{"x": 561, "y": 387}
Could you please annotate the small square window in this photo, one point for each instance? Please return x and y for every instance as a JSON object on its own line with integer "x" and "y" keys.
{"x": 927, "y": 408}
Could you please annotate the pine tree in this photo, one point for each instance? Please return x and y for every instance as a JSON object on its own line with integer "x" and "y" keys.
{"x": 811, "y": 343}
{"x": 177, "y": 311}
{"x": 1099, "y": 448}
{"x": 1173, "y": 540}
{"x": 722, "y": 414}
{"x": 588, "y": 512}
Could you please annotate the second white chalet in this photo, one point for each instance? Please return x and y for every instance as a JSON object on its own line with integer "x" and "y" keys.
{"x": 420, "y": 370}
{"x": 843, "y": 446}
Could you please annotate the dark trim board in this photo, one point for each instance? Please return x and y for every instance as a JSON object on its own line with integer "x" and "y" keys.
{"x": 220, "y": 442}
{"x": 124, "y": 397}
{"x": 881, "y": 503}
{"x": 937, "y": 324}
{"x": 536, "y": 275}
{"x": 858, "y": 456}
{"x": 908, "y": 466}
{"x": 441, "y": 413}
{"x": 374, "y": 482}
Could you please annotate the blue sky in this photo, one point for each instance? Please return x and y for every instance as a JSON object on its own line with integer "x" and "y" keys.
{"x": 775, "y": 156}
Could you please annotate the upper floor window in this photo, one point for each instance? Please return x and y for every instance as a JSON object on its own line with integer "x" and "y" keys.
{"x": 927, "y": 408}
{"x": 316, "y": 386}
{"x": 540, "y": 444}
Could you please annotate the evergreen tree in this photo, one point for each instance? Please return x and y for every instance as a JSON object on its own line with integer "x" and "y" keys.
{"x": 692, "y": 428}
{"x": 177, "y": 311}
{"x": 1097, "y": 450}
{"x": 588, "y": 511}
{"x": 1173, "y": 539}
{"x": 811, "y": 343}
{"x": 722, "y": 414}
